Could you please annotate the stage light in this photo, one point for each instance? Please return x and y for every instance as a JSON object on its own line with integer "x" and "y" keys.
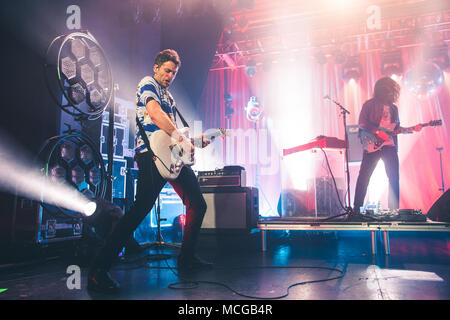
{"x": 228, "y": 97}
{"x": 67, "y": 151}
{"x": 77, "y": 48}
{"x": 95, "y": 98}
{"x": 250, "y": 68}
{"x": 58, "y": 173}
{"x": 77, "y": 94}
{"x": 396, "y": 78}
{"x": 78, "y": 175}
{"x": 78, "y": 65}
{"x": 20, "y": 176}
{"x": 74, "y": 164}
{"x": 90, "y": 208}
{"x": 86, "y": 154}
{"x": 424, "y": 79}
{"x": 87, "y": 74}
{"x": 438, "y": 54}
{"x": 391, "y": 63}
{"x": 69, "y": 69}
{"x": 352, "y": 69}
{"x": 229, "y": 111}
{"x": 94, "y": 176}
{"x": 253, "y": 110}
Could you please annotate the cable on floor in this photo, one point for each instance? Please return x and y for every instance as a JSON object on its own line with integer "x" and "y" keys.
{"x": 193, "y": 284}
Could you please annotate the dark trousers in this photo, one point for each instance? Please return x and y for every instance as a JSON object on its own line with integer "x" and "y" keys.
{"x": 149, "y": 186}
{"x": 390, "y": 158}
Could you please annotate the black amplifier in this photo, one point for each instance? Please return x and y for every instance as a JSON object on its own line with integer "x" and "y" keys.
{"x": 229, "y": 176}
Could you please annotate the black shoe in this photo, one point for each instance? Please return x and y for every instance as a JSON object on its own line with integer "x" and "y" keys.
{"x": 101, "y": 281}
{"x": 192, "y": 263}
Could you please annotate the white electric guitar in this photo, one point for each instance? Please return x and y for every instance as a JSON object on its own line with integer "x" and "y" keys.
{"x": 171, "y": 156}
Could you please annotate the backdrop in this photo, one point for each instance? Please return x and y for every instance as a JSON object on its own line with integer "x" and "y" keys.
{"x": 294, "y": 112}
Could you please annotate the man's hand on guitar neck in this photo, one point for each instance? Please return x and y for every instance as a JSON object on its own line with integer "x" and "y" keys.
{"x": 205, "y": 141}
{"x": 417, "y": 128}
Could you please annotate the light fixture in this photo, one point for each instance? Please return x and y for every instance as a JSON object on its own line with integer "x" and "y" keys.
{"x": 229, "y": 111}
{"x": 391, "y": 63}
{"x": 438, "y": 54}
{"x": 90, "y": 208}
{"x": 77, "y": 66}
{"x": 352, "y": 69}
{"x": 250, "y": 68}
{"x": 73, "y": 161}
{"x": 253, "y": 109}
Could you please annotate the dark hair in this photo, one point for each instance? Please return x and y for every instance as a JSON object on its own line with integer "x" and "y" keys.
{"x": 385, "y": 88}
{"x": 168, "y": 55}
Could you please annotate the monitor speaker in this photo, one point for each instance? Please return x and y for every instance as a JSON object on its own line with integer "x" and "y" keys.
{"x": 231, "y": 208}
{"x": 440, "y": 210}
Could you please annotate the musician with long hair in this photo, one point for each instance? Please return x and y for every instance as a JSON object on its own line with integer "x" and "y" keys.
{"x": 379, "y": 117}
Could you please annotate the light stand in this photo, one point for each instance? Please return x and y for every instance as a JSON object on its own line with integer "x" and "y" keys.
{"x": 110, "y": 147}
{"x": 439, "y": 149}
{"x": 344, "y": 112}
{"x": 229, "y": 111}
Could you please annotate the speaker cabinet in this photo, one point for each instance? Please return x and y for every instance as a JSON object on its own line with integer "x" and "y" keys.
{"x": 231, "y": 208}
{"x": 355, "y": 149}
{"x": 440, "y": 210}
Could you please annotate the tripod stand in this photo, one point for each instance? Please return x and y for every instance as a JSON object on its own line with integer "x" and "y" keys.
{"x": 159, "y": 243}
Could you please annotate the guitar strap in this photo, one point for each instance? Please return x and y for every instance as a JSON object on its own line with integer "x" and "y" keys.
{"x": 143, "y": 134}
{"x": 181, "y": 117}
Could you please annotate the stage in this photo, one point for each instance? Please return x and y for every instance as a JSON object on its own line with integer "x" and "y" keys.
{"x": 301, "y": 114}
{"x": 297, "y": 265}
{"x": 374, "y": 226}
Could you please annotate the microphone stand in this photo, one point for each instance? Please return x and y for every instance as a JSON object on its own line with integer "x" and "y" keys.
{"x": 439, "y": 149}
{"x": 344, "y": 112}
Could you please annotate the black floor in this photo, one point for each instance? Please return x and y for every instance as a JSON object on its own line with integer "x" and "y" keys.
{"x": 299, "y": 265}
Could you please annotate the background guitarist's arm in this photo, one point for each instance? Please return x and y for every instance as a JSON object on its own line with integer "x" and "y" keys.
{"x": 416, "y": 128}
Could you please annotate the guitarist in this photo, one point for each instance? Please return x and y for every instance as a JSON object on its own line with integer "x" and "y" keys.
{"x": 378, "y": 116}
{"x": 155, "y": 111}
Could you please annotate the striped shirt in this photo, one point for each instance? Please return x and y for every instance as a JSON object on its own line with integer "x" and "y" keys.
{"x": 150, "y": 88}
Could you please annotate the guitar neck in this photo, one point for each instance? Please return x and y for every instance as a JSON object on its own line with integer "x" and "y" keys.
{"x": 209, "y": 136}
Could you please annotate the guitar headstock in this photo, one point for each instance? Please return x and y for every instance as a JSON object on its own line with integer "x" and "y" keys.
{"x": 434, "y": 123}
